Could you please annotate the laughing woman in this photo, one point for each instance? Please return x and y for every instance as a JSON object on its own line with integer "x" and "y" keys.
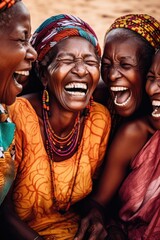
{"x": 61, "y": 133}
{"x": 130, "y": 44}
{"x": 16, "y": 55}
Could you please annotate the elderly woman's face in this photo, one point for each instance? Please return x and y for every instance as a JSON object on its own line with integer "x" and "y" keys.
{"x": 121, "y": 72}
{"x": 153, "y": 89}
{"x": 73, "y": 73}
{"x": 16, "y": 54}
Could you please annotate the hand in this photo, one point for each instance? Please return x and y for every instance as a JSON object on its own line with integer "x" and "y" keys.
{"x": 92, "y": 227}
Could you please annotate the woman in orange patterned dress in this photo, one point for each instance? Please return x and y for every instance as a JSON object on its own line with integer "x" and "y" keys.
{"x": 61, "y": 133}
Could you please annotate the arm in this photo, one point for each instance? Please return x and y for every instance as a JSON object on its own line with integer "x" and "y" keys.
{"x": 127, "y": 143}
{"x": 14, "y": 227}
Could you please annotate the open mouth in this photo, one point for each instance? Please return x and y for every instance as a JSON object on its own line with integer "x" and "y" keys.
{"x": 122, "y": 95}
{"x": 76, "y": 89}
{"x": 20, "y": 77}
{"x": 18, "y": 74}
{"x": 156, "y": 108}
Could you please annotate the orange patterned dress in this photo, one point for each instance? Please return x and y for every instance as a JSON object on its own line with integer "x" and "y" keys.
{"x": 36, "y": 189}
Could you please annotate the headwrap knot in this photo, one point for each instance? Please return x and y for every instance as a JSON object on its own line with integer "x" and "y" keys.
{"x": 60, "y": 27}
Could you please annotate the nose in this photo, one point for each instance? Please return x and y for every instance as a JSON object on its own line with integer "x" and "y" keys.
{"x": 79, "y": 68}
{"x": 114, "y": 73}
{"x": 31, "y": 53}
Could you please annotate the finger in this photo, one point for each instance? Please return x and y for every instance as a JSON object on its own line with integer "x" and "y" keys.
{"x": 82, "y": 229}
{"x": 97, "y": 232}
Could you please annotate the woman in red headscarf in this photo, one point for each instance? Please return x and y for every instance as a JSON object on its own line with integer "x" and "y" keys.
{"x": 61, "y": 134}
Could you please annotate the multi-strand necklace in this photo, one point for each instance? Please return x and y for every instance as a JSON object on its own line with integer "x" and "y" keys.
{"x": 62, "y": 146}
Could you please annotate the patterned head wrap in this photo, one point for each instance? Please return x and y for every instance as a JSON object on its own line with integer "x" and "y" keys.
{"x": 145, "y": 25}
{"x": 60, "y": 27}
{"x": 4, "y": 4}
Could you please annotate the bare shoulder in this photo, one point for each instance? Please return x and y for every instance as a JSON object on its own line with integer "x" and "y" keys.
{"x": 130, "y": 138}
{"x": 139, "y": 128}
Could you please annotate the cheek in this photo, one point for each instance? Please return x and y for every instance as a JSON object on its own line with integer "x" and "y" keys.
{"x": 147, "y": 87}
{"x": 60, "y": 72}
{"x": 95, "y": 74}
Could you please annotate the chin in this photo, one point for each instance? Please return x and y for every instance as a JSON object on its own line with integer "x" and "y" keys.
{"x": 124, "y": 112}
{"x": 156, "y": 123}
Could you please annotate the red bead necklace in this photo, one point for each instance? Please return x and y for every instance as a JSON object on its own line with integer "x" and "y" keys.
{"x": 62, "y": 146}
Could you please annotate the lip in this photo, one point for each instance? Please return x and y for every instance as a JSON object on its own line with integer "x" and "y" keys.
{"x": 121, "y": 95}
{"x": 77, "y": 89}
{"x": 156, "y": 108}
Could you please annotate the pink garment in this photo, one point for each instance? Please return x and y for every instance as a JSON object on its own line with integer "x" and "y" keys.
{"x": 140, "y": 193}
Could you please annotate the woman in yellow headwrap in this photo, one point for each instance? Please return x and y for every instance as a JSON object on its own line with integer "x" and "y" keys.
{"x": 133, "y": 155}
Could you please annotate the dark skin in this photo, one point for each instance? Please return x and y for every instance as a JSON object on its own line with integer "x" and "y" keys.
{"x": 63, "y": 68}
{"x": 122, "y": 72}
{"x": 75, "y": 61}
{"x": 153, "y": 89}
{"x": 16, "y": 53}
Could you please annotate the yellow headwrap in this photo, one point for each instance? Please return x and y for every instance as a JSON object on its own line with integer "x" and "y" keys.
{"x": 145, "y": 25}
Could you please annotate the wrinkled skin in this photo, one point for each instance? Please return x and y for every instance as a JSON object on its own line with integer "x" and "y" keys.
{"x": 153, "y": 89}
{"x": 124, "y": 73}
{"x": 16, "y": 53}
{"x": 121, "y": 71}
{"x": 75, "y": 62}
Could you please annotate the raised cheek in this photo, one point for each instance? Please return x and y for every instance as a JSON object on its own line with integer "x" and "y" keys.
{"x": 147, "y": 87}
{"x": 96, "y": 75}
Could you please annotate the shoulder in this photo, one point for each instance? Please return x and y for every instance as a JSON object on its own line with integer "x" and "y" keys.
{"x": 100, "y": 117}
{"x": 21, "y": 108}
{"x": 19, "y": 103}
{"x": 101, "y": 111}
{"x": 130, "y": 138}
{"x": 136, "y": 129}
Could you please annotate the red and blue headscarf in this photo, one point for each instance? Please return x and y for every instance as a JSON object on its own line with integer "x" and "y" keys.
{"x": 60, "y": 27}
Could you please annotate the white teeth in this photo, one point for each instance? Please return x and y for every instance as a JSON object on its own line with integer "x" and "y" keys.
{"x": 25, "y": 73}
{"x": 77, "y": 93}
{"x": 155, "y": 114}
{"x": 156, "y": 103}
{"x": 117, "y": 89}
{"x": 76, "y": 85}
{"x": 121, "y": 104}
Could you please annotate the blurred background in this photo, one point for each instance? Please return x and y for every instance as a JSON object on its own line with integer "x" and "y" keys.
{"x": 98, "y": 13}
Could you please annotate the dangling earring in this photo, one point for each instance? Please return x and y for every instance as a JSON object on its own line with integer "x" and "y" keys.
{"x": 87, "y": 109}
{"x": 45, "y": 99}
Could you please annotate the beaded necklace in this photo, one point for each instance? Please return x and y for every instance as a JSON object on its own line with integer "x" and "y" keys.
{"x": 62, "y": 146}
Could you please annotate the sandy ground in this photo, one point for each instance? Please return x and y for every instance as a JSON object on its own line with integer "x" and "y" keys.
{"x": 98, "y": 13}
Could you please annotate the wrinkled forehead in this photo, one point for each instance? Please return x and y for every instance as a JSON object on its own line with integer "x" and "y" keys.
{"x": 121, "y": 34}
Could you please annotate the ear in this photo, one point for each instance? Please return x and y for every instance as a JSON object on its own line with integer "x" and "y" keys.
{"x": 44, "y": 76}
